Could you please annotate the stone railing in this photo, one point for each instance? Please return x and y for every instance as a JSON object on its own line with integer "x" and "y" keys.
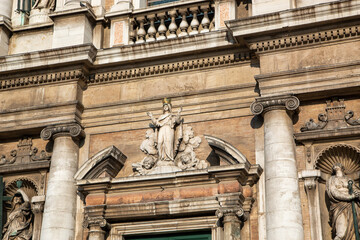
{"x": 171, "y": 22}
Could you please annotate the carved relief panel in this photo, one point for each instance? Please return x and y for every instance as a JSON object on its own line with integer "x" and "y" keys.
{"x": 332, "y": 158}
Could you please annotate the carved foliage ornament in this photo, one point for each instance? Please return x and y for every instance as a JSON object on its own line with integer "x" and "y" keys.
{"x": 25, "y": 153}
{"x": 290, "y": 103}
{"x": 334, "y": 118}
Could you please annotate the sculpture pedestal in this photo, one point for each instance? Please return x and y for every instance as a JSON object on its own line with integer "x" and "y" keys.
{"x": 38, "y": 16}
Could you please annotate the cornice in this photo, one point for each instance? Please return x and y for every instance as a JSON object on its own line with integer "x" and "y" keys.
{"x": 306, "y": 39}
{"x": 65, "y": 56}
{"x": 41, "y": 79}
{"x": 259, "y": 31}
{"x": 167, "y": 68}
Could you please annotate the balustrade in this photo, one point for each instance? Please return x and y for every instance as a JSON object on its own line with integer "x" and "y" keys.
{"x": 169, "y": 23}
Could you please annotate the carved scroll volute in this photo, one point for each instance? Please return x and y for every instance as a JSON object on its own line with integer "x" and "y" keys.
{"x": 74, "y": 130}
{"x": 261, "y": 106}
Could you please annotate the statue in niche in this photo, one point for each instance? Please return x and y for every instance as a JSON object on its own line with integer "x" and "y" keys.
{"x": 340, "y": 212}
{"x": 19, "y": 223}
{"x": 44, "y": 4}
{"x": 169, "y": 145}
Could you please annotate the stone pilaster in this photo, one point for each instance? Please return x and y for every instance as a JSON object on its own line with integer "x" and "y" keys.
{"x": 37, "y": 207}
{"x": 283, "y": 206}
{"x": 5, "y": 9}
{"x": 60, "y": 203}
{"x": 311, "y": 186}
{"x": 232, "y": 214}
{"x": 95, "y": 222}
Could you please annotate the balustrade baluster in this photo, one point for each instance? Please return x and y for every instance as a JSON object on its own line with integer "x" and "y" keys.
{"x": 183, "y": 25}
{"x": 162, "y": 27}
{"x": 173, "y": 27}
{"x": 194, "y": 23}
{"x": 141, "y": 30}
{"x": 152, "y": 29}
{"x": 132, "y": 33}
{"x": 205, "y": 23}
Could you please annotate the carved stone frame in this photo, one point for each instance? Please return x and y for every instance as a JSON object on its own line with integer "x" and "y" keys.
{"x": 118, "y": 231}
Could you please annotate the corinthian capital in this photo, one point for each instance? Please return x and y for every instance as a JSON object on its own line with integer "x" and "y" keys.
{"x": 74, "y": 130}
{"x": 262, "y": 105}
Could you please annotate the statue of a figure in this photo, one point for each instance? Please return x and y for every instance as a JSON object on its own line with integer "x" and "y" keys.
{"x": 340, "y": 212}
{"x": 165, "y": 124}
{"x": 39, "y": 4}
{"x": 19, "y": 223}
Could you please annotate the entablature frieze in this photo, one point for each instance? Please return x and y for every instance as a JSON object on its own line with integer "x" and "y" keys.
{"x": 172, "y": 67}
{"x": 44, "y": 79}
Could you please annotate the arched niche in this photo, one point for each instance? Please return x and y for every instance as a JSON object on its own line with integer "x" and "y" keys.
{"x": 347, "y": 155}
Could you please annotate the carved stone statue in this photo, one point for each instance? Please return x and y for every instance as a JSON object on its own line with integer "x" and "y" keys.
{"x": 165, "y": 125}
{"x": 19, "y": 223}
{"x": 169, "y": 146}
{"x": 340, "y": 212}
{"x": 40, "y": 4}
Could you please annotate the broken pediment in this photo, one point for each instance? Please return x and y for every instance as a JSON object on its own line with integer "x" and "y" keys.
{"x": 106, "y": 163}
{"x": 225, "y": 151}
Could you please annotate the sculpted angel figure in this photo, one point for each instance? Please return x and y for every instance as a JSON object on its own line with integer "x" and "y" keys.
{"x": 166, "y": 124}
{"x": 340, "y": 213}
{"x": 19, "y": 223}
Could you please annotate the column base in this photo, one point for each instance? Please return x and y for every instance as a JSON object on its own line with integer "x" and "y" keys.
{"x": 38, "y": 16}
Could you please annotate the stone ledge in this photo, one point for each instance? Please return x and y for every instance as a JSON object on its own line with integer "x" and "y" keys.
{"x": 319, "y": 135}
{"x": 295, "y": 18}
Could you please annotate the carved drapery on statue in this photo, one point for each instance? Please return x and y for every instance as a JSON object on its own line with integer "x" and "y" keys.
{"x": 20, "y": 219}
{"x": 40, "y": 4}
{"x": 169, "y": 145}
{"x": 340, "y": 211}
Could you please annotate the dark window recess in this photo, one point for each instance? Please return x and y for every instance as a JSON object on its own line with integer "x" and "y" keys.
{"x": 157, "y": 2}
{"x": 202, "y": 235}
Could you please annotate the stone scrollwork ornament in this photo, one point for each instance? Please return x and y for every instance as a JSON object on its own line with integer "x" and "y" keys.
{"x": 312, "y": 125}
{"x": 290, "y": 103}
{"x": 349, "y": 118}
{"x": 344, "y": 205}
{"x": 169, "y": 145}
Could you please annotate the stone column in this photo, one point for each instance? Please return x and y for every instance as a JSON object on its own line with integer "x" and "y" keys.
{"x": 283, "y": 207}
{"x": 60, "y": 203}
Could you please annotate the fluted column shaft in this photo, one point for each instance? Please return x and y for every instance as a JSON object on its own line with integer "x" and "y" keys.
{"x": 283, "y": 206}
{"x": 60, "y": 202}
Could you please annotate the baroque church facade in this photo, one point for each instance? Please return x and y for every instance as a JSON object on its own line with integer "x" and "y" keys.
{"x": 179, "y": 119}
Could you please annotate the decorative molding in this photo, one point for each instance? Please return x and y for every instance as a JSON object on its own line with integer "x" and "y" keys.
{"x": 74, "y": 130}
{"x": 334, "y": 118}
{"x": 106, "y": 163}
{"x": 205, "y": 63}
{"x": 305, "y": 39}
{"x": 24, "y": 154}
{"x": 231, "y": 205}
{"x": 41, "y": 79}
{"x": 262, "y": 105}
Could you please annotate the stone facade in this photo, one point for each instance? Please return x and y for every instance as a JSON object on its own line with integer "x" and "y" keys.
{"x": 264, "y": 117}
